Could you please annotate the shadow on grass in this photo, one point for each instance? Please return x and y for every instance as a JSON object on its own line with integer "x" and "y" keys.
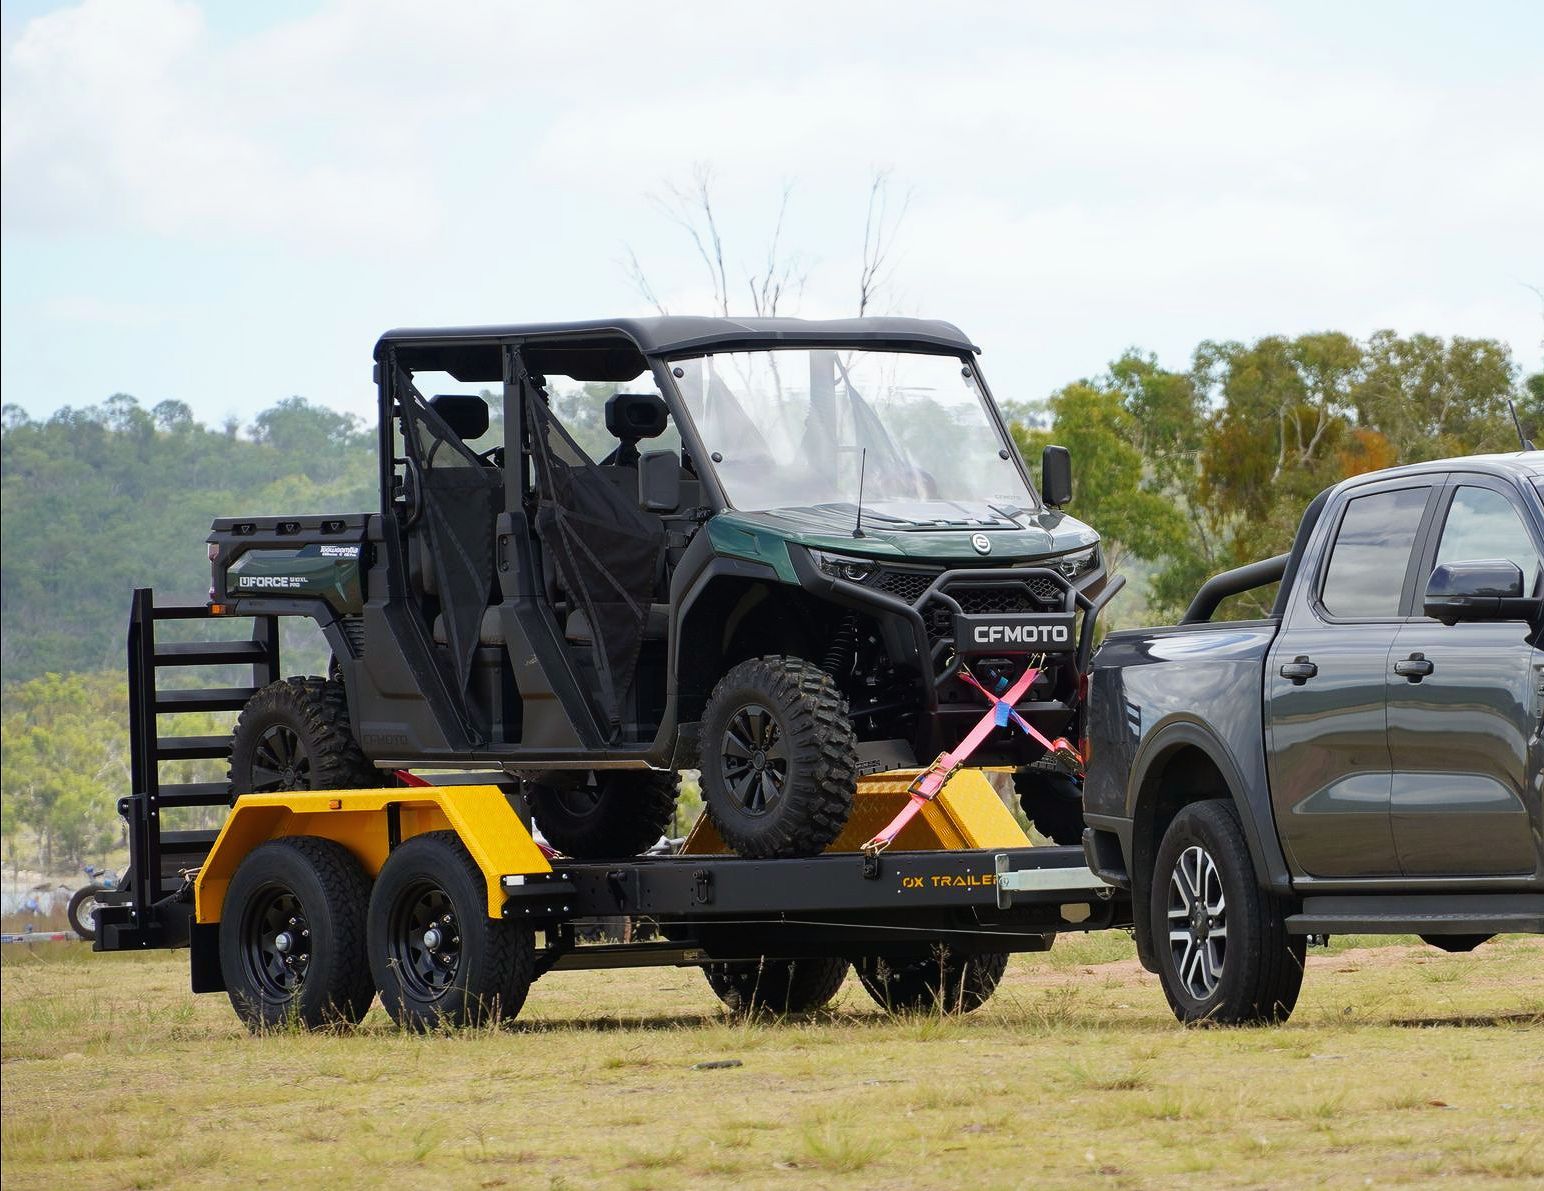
{"x": 1467, "y": 1021}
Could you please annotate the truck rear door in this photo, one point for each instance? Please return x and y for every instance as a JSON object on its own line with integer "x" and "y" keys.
{"x": 1325, "y": 684}
{"x": 1463, "y": 707}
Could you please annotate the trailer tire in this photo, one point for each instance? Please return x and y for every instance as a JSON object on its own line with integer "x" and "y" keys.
{"x": 944, "y": 979}
{"x": 438, "y": 960}
{"x": 81, "y": 911}
{"x": 1203, "y": 879}
{"x": 787, "y": 790}
{"x": 1052, "y": 801}
{"x": 777, "y": 986}
{"x": 296, "y": 903}
{"x": 295, "y": 735}
{"x": 610, "y": 812}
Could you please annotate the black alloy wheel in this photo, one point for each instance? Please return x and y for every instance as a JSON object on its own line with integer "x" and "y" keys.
{"x": 754, "y": 762}
{"x": 423, "y": 940}
{"x": 295, "y": 735}
{"x": 279, "y": 761}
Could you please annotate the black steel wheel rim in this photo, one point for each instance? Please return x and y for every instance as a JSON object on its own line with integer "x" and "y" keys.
{"x": 425, "y": 940}
{"x": 279, "y": 761}
{"x": 754, "y": 760}
{"x": 275, "y": 943}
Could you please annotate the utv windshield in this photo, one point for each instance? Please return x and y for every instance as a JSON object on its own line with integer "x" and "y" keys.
{"x": 793, "y": 429}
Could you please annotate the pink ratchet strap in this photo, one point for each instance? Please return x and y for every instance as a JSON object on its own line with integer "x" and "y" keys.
{"x": 936, "y": 776}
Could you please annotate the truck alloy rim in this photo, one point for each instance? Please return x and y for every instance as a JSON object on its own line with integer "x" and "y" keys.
{"x": 1198, "y": 922}
{"x": 279, "y": 762}
{"x": 425, "y": 940}
{"x": 276, "y": 943}
{"x": 755, "y": 759}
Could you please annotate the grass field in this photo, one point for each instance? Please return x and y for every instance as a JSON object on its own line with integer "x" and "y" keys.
{"x": 1402, "y": 1065}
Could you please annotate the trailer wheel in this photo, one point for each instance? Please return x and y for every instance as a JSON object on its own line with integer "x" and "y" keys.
{"x": 1052, "y": 801}
{"x": 292, "y": 945}
{"x": 779, "y": 758}
{"x": 295, "y": 735}
{"x": 616, "y": 812}
{"x": 780, "y": 986}
{"x": 81, "y": 911}
{"x": 1223, "y": 951}
{"x": 437, "y": 958}
{"x": 944, "y": 979}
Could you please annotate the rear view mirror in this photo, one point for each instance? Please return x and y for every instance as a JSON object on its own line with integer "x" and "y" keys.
{"x": 1055, "y": 476}
{"x": 659, "y": 481}
{"x": 1478, "y": 589}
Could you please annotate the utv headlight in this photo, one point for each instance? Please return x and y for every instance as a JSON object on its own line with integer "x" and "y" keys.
{"x": 843, "y": 566}
{"x": 1078, "y": 563}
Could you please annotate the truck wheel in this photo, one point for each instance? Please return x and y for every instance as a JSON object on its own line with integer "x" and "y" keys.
{"x": 779, "y": 758}
{"x": 82, "y": 907}
{"x": 944, "y": 979}
{"x": 1224, "y": 954}
{"x": 616, "y": 812}
{"x": 1053, "y": 802}
{"x": 437, "y": 958}
{"x": 292, "y": 945}
{"x": 779, "y": 986}
{"x": 295, "y": 735}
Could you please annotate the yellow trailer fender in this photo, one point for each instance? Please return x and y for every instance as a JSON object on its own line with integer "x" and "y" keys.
{"x": 360, "y": 820}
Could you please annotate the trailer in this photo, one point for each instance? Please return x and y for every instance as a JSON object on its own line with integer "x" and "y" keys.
{"x": 435, "y": 894}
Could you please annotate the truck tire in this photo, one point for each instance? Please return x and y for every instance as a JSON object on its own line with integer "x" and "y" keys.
{"x": 1052, "y": 801}
{"x": 292, "y": 938}
{"x": 780, "y": 986}
{"x": 82, "y": 907}
{"x": 1224, "y": 954}
{"x": 779, "y": 758}
{"x": 294, "y": 735}
{"x": 615, "y": 812}
{"x": 437, "y": 958}
{"x": 944, "y": 979}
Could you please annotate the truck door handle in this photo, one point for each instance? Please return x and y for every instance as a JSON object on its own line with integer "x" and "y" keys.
{"x": 1299, "y": 670}
{"x": 1414, "y": 668}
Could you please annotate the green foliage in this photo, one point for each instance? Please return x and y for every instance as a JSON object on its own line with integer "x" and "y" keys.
{"x": 1202, "y": 470}
{"x": 101, "y": 500}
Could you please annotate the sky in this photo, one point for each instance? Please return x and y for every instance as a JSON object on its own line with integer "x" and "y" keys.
{"x": 226, "y": 204}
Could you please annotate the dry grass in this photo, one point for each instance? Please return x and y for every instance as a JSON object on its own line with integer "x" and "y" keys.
{"x": 1402, "y": 1065}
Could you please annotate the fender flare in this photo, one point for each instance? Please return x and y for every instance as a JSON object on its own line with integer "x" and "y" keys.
{"x": 1254, "y": 807}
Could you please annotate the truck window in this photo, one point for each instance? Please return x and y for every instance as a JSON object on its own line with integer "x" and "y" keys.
{"x": 1481, "y": 524}
{"x": 1365, "y": 576}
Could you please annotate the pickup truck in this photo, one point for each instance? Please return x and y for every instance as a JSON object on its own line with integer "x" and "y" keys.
{"x": 1367, "y": 758}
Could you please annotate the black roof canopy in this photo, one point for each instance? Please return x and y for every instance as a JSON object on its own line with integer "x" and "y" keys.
{"x": 589, "y": 350}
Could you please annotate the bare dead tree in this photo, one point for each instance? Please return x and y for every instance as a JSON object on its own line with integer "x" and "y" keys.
{"x": 879, "y": 232}
{"x": 781, "y": 274}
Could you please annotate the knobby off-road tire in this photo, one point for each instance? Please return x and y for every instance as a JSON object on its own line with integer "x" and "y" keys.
{"x": 292, "y": 936}
{"x": 295, "y": 735}
{"x": 437, "y": 959}
{"x": 777, "y": 986}
{"x": 944, "y": 980}
{"x": 1224, "y": 954}
{"x": 619, "y": 812}
{"x": 1052, "y": 801}
{"x": 83, "y": 903}
{"x": 779, "y": 758}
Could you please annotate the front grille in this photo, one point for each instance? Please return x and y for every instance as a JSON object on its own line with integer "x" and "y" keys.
{"x": 1044, "y": 595}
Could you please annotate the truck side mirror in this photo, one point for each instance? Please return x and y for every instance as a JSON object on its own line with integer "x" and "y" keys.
{"x": 659, "y": 481}
{"x": 1478, "y": 589}
{"x": 1055, "y": 476}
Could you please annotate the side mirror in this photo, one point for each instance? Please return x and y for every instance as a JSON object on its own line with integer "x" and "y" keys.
{"x": 659, "y": 481}
{"x": 1479, "y": 589}
{"x": 465, "y": 413}
{"x": 1055, "y": 476}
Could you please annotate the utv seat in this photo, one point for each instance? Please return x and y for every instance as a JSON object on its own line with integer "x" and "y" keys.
{"x": 655, "y": 628}
{"x": 491, "y": 631}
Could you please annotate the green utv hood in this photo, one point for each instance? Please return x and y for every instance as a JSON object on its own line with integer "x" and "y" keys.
{"x": 764, "y": 536}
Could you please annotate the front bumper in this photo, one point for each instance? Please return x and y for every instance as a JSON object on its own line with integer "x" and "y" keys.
{"x": 922, "y": 643}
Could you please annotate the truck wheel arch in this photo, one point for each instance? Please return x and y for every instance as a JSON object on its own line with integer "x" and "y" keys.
{"x": 1181, "y": 763}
